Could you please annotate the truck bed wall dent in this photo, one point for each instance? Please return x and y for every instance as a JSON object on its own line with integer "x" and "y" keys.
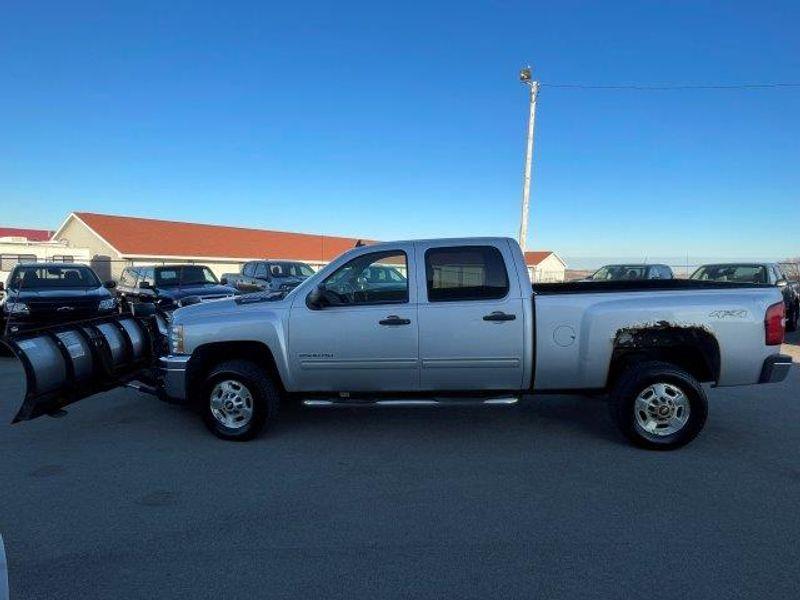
{"x": 577, "y": 334}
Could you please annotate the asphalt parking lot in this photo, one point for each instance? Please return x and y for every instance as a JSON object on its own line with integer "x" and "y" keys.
{"x": 130, "y": 498}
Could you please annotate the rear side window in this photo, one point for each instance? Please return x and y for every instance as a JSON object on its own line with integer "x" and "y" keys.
{"x": 465, "y": 273}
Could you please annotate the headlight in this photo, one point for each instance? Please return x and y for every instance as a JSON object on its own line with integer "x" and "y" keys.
{"x": 107, "y": 304}
{"x": 17, "y": 308}
{"x": 176, "y": 345}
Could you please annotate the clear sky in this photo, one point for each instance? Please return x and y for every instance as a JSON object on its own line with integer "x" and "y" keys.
{"x": 398, "y": 120}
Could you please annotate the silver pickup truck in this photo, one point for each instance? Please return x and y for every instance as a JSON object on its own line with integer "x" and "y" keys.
{"x": 446, "y": 322}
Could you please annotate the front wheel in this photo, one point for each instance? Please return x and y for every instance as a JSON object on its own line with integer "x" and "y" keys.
{"x": 239, "y": 400}
{"x": 658, "y": 405}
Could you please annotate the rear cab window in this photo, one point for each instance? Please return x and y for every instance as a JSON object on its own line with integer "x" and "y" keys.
{"x": 460, "y": 273}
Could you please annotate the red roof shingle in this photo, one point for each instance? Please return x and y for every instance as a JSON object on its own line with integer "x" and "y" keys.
{"x": 534, "y": 257}
{"x": 133, "y": 236}
{"x": 33, "y": 235}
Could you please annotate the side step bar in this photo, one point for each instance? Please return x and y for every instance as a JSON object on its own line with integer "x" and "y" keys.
{"x": 350, "y": 403}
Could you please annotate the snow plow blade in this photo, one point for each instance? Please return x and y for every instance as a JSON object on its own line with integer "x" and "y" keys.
{"x": 67, "y": 363}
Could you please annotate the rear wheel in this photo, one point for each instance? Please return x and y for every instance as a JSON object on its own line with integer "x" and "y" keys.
{"x": 239, "y": 399}
{"x": 658, "y": 406}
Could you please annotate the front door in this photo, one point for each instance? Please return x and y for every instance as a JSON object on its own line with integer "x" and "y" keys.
{"x": 471, "y": 318}
{"x": 362, "y": 334}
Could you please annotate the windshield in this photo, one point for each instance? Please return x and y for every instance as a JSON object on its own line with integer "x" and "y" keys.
{"x": 53, "y": 277}
{"x": 620, "y": 272}
{"x": 187, "y": 275}
{"x": 290, "y": 269}
{"x": 735, "y": 273}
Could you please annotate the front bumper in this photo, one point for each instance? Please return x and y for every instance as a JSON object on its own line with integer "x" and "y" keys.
{"x": 775, "y": 369}
{"x": 172, "y": 375}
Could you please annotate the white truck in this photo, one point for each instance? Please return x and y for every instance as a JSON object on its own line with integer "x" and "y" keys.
{"x": 460, "y": 323}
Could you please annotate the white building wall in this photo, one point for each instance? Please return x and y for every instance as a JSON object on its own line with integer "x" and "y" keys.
{"x": 551, "y": 269}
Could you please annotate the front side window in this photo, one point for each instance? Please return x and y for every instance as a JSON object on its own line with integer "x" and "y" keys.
{"x": 465, "y": 273}
{"x": 352, "y": 283}
{"x": 128, "y": 278}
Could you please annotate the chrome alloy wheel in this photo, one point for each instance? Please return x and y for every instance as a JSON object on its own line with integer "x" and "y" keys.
{"x": 662, "y": 409}
{"x": 231, "y": 404}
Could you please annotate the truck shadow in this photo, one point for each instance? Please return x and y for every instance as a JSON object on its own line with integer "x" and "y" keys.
{"x": 541, "y": 416}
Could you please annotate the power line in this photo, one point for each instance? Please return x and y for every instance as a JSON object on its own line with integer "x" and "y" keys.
{"x": 648, "y": 88}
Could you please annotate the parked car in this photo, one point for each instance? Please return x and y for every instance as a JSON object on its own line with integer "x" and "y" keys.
{"x": 39, "y": 294}
{"x": 269, "y": 276}
{"x": 169, "y": 287}
{"x": 761, "y": 273}
{"x": 465, "y": 324}
{"x": 632, "y": 272}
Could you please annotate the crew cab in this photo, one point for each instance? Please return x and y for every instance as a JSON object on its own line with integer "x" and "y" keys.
{"x": 631, "y": 272}
{"x": 461, "y": 324}
{"x": 40, "y": 294}
{"x": 170, "y": 287}
{"x": 767, "y": 273}
{"x": 269, "y": 276}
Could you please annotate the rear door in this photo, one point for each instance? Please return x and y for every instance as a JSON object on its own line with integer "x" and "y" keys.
{"x": 471, "y": 317}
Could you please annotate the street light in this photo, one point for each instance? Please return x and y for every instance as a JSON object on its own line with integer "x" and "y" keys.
{"x": 526, "y": 78}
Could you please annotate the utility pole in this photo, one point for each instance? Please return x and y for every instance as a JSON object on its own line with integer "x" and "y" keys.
{"x": 526, "y": 77}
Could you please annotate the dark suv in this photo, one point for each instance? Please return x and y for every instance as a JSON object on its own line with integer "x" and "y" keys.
{"x": 39, "y": 294}
{"x": 170, "y": 287}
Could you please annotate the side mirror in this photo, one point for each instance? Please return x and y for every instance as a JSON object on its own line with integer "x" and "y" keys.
{"x": 2, "y": 286}
{"x": 315, "y": 299}
{"x": 781, "y": 283}
{"x": 145, "y": 285}
{"x": 110, "y": 285}
{"x": 224, "y": 281}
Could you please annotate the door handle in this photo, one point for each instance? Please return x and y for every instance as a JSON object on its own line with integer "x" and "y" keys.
{"x": 499, "y": 316}
{"x": 394, "y": 320}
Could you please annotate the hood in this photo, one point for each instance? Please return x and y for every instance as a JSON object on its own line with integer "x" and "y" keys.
{"x": 206, "y": 289}
{"x": 232, "y": 306}
{"x": 58, "y": 294}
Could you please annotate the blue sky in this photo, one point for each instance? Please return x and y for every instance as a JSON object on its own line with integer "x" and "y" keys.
{"x": 406, "y": 120}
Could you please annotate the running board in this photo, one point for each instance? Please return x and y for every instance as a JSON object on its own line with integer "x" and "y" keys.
{"x": 350, "y": 403}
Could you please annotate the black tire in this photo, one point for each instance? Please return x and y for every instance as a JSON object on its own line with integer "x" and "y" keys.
{"x": 792, "y": 318}
{"x": 634, "y": 381}
{"x": 264, "y": 392}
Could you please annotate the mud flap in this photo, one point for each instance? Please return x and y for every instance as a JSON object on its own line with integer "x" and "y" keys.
{"x": 67, "y": 363}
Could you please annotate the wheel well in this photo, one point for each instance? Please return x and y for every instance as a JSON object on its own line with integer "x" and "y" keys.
{"x": 693, "y": 349}
{"x": 208, "y": 355}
